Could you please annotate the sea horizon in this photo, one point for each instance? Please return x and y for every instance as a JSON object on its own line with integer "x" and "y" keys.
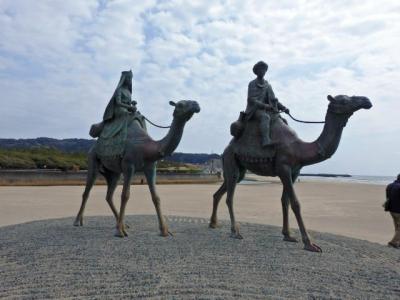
{"x": 366, "y": 179}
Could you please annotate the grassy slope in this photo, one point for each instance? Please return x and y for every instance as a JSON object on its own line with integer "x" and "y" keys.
{"x": 49, "y": 158}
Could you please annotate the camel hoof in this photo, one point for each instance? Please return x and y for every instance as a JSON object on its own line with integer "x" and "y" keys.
{"x": 393, "y": 245}
{"x": 237, "y": 236}
{"x": 290, "y": 239}
{"x": 120, "y": 233}
{"x": 78, "y": 222}
{"x": 166, "y": 233}
{"x": 313, "y": 248}
{"x": 213, "y": 225}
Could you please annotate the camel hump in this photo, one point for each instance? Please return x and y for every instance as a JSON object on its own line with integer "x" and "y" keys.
{"x": 282, "y": 133}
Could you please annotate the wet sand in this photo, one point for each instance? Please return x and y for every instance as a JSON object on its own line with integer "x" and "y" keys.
{"x": 349, "y": 209}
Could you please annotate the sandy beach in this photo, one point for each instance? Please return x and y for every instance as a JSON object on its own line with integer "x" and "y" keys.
{"x": 348, "y": 209}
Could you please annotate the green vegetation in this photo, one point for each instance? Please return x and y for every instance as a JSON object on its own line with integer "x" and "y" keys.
{"x": 41, "y": 158}
{"x": 166, "y": 166}
{"x": 50, "y": 158}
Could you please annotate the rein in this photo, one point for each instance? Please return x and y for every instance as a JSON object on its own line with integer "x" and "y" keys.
{"x": 293, "y": 118}
{"x": 306, "y": 122}
{"x": 159, "y": 126}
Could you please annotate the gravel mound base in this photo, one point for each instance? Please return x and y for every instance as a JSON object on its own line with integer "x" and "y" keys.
{"x": 53, "y": 259}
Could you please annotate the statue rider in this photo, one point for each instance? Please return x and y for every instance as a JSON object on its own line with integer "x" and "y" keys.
{"x": 120, "y": 103}
{"x": 119, "y": 111}
{"x": 262, "y": 103}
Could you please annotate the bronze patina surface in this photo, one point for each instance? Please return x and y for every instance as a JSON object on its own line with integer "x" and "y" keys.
{"x": 284, "y": 156}
{"x": 124, "y": 147}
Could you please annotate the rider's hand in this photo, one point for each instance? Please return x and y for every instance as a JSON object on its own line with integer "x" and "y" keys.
{"x": 286, "y": 110}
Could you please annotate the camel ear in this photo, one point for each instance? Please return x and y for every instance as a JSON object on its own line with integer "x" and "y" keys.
{"x": 330, "y": 98}
{"x": 172, "y": 103}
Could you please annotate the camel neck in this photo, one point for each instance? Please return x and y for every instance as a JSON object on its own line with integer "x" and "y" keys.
{"x": 170, "y": 142}
{"x": 327, "y": 143}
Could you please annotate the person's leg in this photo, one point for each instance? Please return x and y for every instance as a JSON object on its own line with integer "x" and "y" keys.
{"x": 395, "y": 242}
{"x": 264, "y": 122}
{"x": 397, "y": 221}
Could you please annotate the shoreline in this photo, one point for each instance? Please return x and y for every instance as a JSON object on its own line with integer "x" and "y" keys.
{"x": 78, "y": 178}
{"x": 55, "y": 177}
{"x": 348, "y": 209}
{"x": 357, "y": 179}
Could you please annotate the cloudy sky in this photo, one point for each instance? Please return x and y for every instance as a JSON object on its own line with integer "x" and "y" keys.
{"x": 60, "y": 62}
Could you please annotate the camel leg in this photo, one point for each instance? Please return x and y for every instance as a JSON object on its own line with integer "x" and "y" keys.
{"x": 231, "y": 175}
{"x": 90, "y": 180}
{"x": 112, "y": 182}
{"x": 285, "y": 211}
{"x": 231, "y": 185}
{"x": 120, "y": 230}
{"x": 286, "y": 178}
{"x": 228, "y": 161}
{"x": 150, "y": 173}
{"x": 216, "y": 198}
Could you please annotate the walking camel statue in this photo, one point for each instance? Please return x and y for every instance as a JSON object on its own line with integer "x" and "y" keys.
{"x": 141, "y": 153}
{"x": 289, "y": 155}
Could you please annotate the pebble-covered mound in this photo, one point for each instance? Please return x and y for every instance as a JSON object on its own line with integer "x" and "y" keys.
{"x": 53, "y": 259}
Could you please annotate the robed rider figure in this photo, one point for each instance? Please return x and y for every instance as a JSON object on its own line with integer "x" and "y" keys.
{"x": 112, "y": 132}
{"x": 262, "y": 103}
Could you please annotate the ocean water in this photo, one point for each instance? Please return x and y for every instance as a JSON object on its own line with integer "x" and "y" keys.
{"x": 379, "y": 180}
{"x": 366, "y": 179}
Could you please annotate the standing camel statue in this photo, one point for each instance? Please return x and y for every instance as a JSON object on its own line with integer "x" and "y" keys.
{"x": 141, "y": 153}
{"x": 291, "y": 154}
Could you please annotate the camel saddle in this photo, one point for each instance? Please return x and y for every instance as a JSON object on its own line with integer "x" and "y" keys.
{"x": 96, "y": 129}
{"x": 112, "y": 140}
{"x": 247, "y": 137}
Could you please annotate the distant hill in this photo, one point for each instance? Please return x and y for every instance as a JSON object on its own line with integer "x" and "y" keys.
{"x": 65, "y": 145}
{"x": 192, "y": 158}
{"x": 83, "y": 145}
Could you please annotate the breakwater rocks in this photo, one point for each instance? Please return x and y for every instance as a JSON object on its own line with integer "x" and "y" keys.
{"x": 57, "y": 177}
{"x": 53, "y": 259}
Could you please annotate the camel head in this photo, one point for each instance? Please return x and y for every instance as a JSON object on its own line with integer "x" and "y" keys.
{"x": 346, "y": 105}
{"x": 184, "y": 109}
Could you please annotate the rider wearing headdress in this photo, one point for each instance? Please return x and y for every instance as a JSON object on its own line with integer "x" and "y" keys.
{"x": 262, "y": 103}
{"x": 121, "y": 102}
{"x": 119, "y": 111}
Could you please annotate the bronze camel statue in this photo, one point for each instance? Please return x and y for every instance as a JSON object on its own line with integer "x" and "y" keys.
{"x": 141, "y": 154}
{"x": 291, "y": 155}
